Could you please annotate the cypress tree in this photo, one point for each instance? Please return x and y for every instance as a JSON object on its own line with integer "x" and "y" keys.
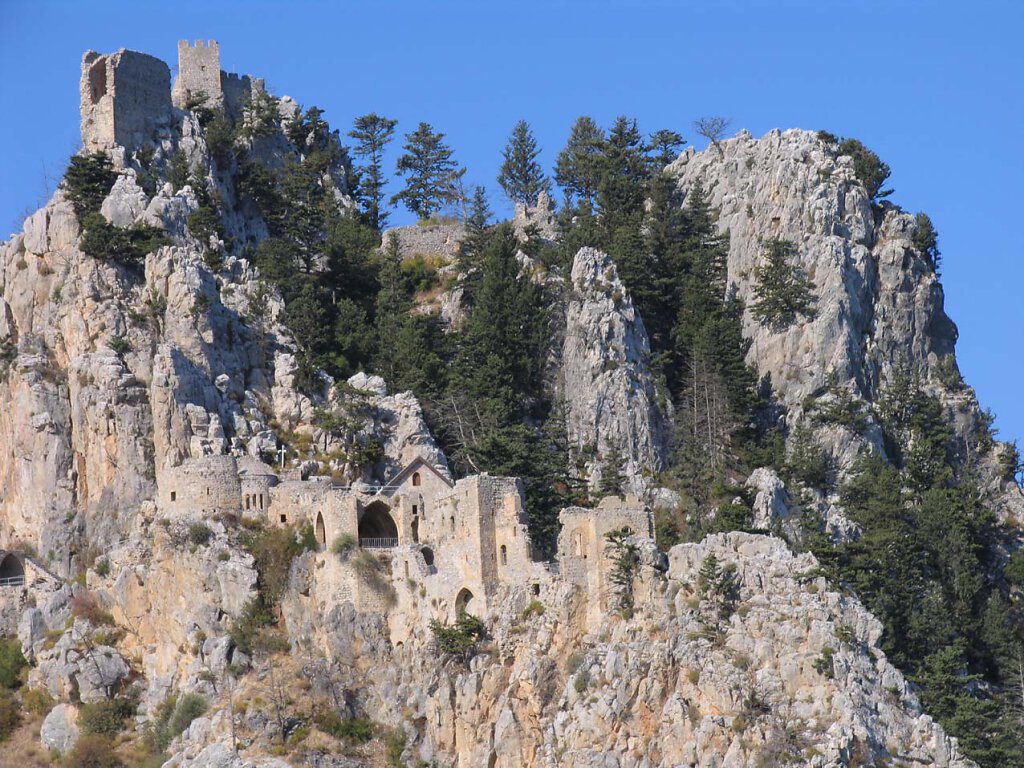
{"x": 521, "y": 175}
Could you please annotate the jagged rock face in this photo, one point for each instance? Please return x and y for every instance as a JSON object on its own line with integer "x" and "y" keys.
{"x": 611, "y": 398}
{"x": 662, "y": 688}
{"x": 879, "y": 305}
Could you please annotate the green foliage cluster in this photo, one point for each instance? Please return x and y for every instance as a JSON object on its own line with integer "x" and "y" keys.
{"x": 625, "y": 557}
{"x": 105, "y": 718}
{"x": 868, "y": 167}
{"x": 782, "y": 292}
{"x": 718, "y": 589}
{"x": 459, "y": 640}
{"x": 12, "y": 662}
{"x": 521, "y": 176}
{"x": 199, "y": 534}
{"x": 93, "y": 751}
{"x": 173, "y": 715}
{"x": 926, "y": 240}
{"x": 88, "y": 181}
{"x": 432, "y": 176}
{"x": 926, "y": 565}
{"x": 357, "y": 730}
{"x": 10, "y": 716}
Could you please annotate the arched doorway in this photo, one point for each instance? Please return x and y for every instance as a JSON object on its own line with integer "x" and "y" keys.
{"x": 12, "y": 571}
{"x": 463, "y": 601}
{"x": 377, "y": 528}
{"x": 321, "y": 530}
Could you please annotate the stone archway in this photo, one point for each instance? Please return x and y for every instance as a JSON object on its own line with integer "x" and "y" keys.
{"x": 463, "y": 601}
{"x": 12, "y": 571}
{"x": 321, "y": 529}
{"x": 377, "y": 528}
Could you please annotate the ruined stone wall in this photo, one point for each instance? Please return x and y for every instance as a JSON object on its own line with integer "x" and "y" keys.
{"x": 125, "y": 99}
{"x": 198, "y": 70}
{"x": 204, "y": 485}
{"x": 582, "y": 559}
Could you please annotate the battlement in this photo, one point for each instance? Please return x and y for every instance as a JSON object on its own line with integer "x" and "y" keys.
{"x": 198, "y": 74}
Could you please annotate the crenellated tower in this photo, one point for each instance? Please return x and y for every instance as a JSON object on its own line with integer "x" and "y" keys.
{"x": 198, "y": 72}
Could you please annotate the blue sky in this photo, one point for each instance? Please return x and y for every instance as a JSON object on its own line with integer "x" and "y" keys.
{"x": 935, "y": 87}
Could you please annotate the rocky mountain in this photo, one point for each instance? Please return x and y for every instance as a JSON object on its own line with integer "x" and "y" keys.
{"x": 233, "y": 558}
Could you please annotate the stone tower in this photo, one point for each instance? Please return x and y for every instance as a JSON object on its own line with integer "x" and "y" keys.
{"x": 125, "y": 98}
{"x": 198, "y": 71}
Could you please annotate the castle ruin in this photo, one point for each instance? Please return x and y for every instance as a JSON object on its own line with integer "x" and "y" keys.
{"x": 459, "y": 541}
{"x": 127, "y": 99}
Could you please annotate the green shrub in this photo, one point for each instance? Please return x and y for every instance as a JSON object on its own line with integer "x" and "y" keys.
{"x": 419, "y": 273}
{"x": 625, "y": 557}
{"x": 102, "y": 240}
{"x": 394, "y": 747}
{"x": 823, "y": 665}
{"x": 37, "y": 701}
{"x": 120, "y": 346}
{"x": 104, "y": 718}
{"x": 199, "y": 534}
{"x": 172, "y": 717}
{"x": 307, "y": 538}
{"x": 190, "y": 706}
{"x": 102, "y": 568}
{"x": 459, "y": 640}
{"x": 868, "y": 167}
{"x": 535, "y": 608}
{"x": 88, "y": 181}
{"x": 274, "y": 549}
{"x": 344, "y": 545}
{"x": 247, "y": 630}
{"x": 354, "y": 729}
{"x": 10, "y": 716}
{"x": 12, "y": 662}
{"x": 93, "y": 751}
{"x": 807, "y": 462}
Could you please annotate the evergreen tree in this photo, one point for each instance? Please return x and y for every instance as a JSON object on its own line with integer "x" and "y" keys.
{"x": 521, "y": 175}
{"x": 393, "y": 304}
{"x": 613, "y": 479}
{"x": 478, "y": 232}
{"x": 782, "y": 291}
{"x": 430, "y": 170}
{"x": 577, "y": 168}
{"x": 372, "y": 134}
{"x": 664, "y": 147}
{"x": 622, "y": 187}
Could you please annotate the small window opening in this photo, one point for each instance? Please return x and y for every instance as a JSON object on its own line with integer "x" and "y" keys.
{"x": 415, "y": 509}
{"x": 174, "y": 495}
{"x": 246, "y": 502}
{"x": 504, "y": 555}
{"x": 284, "y": 518}
{"x": 536, "y": 589}
{"x": 452, "y": 521}
{"x": 416, "y": 479}
{"x": 261, "y": 501}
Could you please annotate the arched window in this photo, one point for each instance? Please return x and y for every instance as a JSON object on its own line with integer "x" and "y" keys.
{"x": 452, "y": 522}
{"x": 463, "y": 600}
{"x": 416, "y": 479}
{"x": 504, "y": 555}
{"x": 321, "y": 529}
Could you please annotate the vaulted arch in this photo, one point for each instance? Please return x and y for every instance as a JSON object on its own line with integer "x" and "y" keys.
{"x": 321, "y": 529}
{"x": 12, "y": 570}
{"x": 376, "y": 527}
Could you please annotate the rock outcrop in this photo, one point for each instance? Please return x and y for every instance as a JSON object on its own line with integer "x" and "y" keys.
{"x": 612, "y": 400}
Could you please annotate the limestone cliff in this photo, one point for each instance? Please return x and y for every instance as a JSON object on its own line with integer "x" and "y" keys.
{"x": 612, "y": 401}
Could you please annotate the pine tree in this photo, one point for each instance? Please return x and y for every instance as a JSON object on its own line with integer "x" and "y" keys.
{"x": 478, "y": 232}
{"x": 622, "y": 187}
{"x": 392, "y": 310}
{"x": 613, "y": 479}
{"x": 664, "y": 147}
{"x": 577, "y": 169}
{"x": 521, "y": 175}
{"x": 429, "y": 168}
{"x": 782, "y": 291}
{"x": 372, "y": 134}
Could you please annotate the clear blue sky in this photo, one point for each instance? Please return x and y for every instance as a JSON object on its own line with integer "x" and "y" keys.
{"x": 936, "y": 87}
